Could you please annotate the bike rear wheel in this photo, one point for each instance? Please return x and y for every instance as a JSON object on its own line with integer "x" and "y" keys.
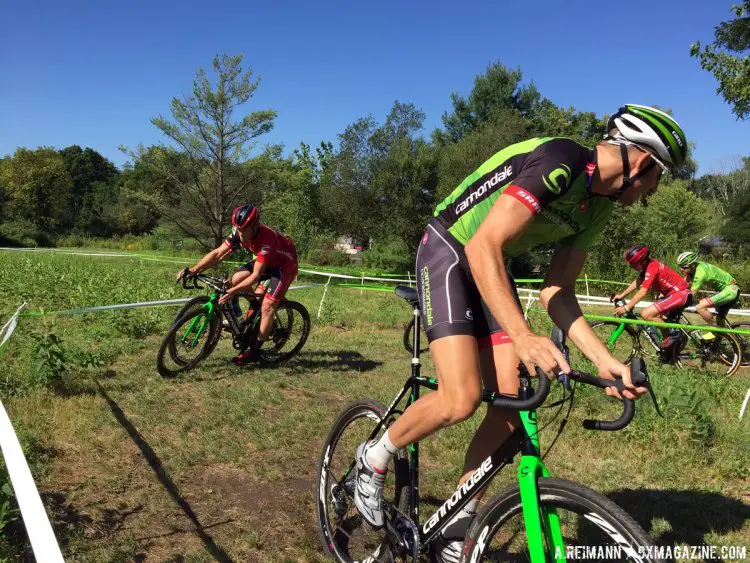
{"x": 588, "y": 520}
{"x": 291, "y": 327}
{"x": 744, "y": 342}
{"x": 344, "y": 534}
{"x": 719, "y": 357}
{"x": 189, "y": 340}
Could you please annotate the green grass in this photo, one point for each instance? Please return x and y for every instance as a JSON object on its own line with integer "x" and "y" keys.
{"x": 221, "y": 462}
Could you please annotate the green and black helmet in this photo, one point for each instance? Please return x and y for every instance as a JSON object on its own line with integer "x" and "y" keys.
{"x": 687, "y": 258}
{"x": 654, "y": 131}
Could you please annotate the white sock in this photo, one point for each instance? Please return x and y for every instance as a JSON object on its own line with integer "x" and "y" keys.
{"x": 380, "y": 453}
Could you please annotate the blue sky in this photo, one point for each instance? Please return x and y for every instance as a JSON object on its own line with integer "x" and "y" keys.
{"x": 94, "y": 73}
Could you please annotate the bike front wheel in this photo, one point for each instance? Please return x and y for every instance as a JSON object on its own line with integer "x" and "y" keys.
{"x": 343, "y": 533}
{"x": 620, "y": 339}
{"x": 593, "y": 527}
{"x": 189, "y": 340}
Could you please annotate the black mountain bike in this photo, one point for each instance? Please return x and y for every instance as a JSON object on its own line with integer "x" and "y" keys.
{"x": 198, "y": 326}
{"x": 535, "y": 520}
{"x": 719, "y": 355}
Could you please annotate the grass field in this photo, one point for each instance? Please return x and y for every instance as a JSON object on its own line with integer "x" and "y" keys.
{"x": 220, "y": 464}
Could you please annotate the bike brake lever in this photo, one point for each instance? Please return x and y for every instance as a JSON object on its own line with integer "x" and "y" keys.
{"x": 640, "y": 378}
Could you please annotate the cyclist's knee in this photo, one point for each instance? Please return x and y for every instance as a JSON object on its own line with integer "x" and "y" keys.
{"x": 457, "y": 408}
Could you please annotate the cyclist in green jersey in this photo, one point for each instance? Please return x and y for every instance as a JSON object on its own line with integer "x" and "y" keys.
{"x": 698, "y": 273}
{"x": 538, "y": 191}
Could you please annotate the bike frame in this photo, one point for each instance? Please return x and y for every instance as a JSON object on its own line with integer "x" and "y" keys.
{"x": 542, "y": 524}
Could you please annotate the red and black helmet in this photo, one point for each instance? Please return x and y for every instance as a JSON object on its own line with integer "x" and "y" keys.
{"x": 636, "y": 253}
{"x": 245, "y": 216}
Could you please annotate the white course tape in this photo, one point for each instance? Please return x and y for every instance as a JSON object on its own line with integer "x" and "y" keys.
{"x": 10, "y": 326}
{"x": 38, "y": 528}
{"x": 744, "y": 404}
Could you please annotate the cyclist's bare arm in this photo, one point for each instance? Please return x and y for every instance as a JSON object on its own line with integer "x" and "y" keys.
{"x": 507, "y": 220}
{"x": 625, "y": 292}
{"x": 557, "y": 296}
{"x": 211, "y": 260}
{"x": 640, "y": 294}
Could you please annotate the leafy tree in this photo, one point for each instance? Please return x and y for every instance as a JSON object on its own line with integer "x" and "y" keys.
{"x": 86, "y": 168}
{"x": 731, "y": 70}
{"x": 723, "y": 188}
{"x": 211, "y": 180}
{"x": 496, "y": 90}
{"x": 38, "y": 187}
{"x": 458, "y": 160}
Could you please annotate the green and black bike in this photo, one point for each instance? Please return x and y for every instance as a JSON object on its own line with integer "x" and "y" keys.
{"x": 198, "y": 326}
{"x": 538, "y": 520}
{"x": 716, "y": 353}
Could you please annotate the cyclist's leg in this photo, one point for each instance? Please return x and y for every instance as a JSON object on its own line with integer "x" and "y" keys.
{"x": 446, "y": 310}
{"x": 280, "y": 280}
{"x": 702, "y": 309}
{"x": 661, "y": 309}
{"x": 449, "y": 303}
{"x": 243, "y": 272}
{"x": 724, "y": 300}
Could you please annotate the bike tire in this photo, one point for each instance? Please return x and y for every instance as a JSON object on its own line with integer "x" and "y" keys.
{"x": 409, "y": 338}
{"x": 498, "y": 532}
{"x": 181, "y": 330}
{"x": 279, "y": 337}
{"x": 722, "y": 359}
{"x": 626, "y": 345}
{"x": 334, "y": 498}
{"x": 194, "y": 304}
{"x": 744, "y": 342}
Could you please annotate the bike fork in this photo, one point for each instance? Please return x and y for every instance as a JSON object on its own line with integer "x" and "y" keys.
{"x": 542, "y": 523}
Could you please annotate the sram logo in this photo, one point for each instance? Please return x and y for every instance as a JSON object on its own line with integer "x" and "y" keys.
{"x": 460, "y": 493}
{"x": 497, "y": 177}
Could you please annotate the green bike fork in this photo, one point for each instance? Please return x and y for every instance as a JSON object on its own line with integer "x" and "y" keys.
{"x": 614, "y": 336}
{"x": 201, "y": 321}
{"x": 542, "y": 524}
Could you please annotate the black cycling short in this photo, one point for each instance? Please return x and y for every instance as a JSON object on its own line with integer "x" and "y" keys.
{"x": 274, "y": 278}
{"x": 449, "y": 299}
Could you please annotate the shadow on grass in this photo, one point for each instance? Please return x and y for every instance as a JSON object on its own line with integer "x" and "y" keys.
{"x": 153, "y": 460}
{"x": 692, "y": 515}
{"x": 338, "y": 360}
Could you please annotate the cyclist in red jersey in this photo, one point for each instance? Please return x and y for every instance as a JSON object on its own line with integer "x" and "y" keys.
{"x": 665, "y": 282}
{"x": 276, "y": 257}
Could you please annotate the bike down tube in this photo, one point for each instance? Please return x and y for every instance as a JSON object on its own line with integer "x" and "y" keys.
{"x": 481, "y": 478}
{"x": 542, "y": 524}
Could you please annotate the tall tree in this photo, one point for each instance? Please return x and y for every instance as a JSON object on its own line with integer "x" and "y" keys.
{"x": 38, "y": 187}
{"x": 494, "y": 91}
{"x": 216, "y": 142}
{"x": 87, "y": 168}
{"x": 728, "y": 59}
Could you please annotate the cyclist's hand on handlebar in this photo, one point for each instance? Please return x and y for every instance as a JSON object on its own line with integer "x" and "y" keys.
{"x": 540, "y": 351}
{"x": 183, "y": 273}
{"x": 614, "y": 369}
{"x": 226, "y": 297}
{"x": 613, "y": 298}
{"x": 620, "y": 311}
